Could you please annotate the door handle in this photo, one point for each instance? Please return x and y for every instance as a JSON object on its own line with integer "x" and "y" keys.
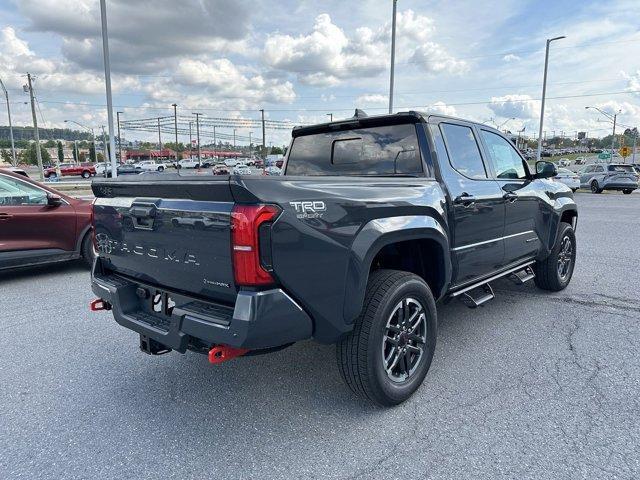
{"x": 5, "y": 216}
{"x": 465, "y": 199}
{"x": 510, "y": 197}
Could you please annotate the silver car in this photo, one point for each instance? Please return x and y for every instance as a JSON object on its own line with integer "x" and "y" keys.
{"x": 598, "y": 177}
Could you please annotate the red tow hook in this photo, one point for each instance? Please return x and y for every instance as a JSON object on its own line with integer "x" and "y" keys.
{"x": 99, "y": 304}
{"x": 222, "y": 353}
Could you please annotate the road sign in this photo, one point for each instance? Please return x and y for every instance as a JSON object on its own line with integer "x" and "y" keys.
{"x": 625, "y": 151}
{"x": 604, "y": 156}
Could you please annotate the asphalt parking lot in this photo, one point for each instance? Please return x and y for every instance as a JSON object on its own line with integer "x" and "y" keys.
{"x": 533, "y": 385}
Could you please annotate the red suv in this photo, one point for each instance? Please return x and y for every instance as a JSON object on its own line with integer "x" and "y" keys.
{"x": 39, "y": 225}
{"x": 85, "y": 170}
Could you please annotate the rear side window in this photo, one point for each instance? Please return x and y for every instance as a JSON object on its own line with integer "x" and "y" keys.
{"x": 388, "y": 150}
{"x": 621, "y": 168}
{"x": 463, "y": 150}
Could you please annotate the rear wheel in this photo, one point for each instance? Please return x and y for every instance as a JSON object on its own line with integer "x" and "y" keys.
{"x": 51, "y": 175}
{"x": 389, "y": 351}
{"x": 627, "y": 191}
{"x": 161, "y": 169}
{"x": 555, "y": 272}
{"x": 86, "y": 174}
{"x": 595, "y": 188}
{"x": 88, "y": 253}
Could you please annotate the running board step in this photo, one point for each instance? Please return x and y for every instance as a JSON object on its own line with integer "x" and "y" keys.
{"x": 478, "y": 296}
{"x": 522, "y": 276}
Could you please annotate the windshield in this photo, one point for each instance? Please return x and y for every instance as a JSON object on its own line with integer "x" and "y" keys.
{"x": 388, "y": 150}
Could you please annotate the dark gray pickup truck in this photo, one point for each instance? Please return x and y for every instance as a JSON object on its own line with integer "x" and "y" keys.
{"x": 374, "y": 220}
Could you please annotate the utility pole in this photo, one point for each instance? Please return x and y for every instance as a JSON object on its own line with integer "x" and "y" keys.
{"x": 633, "y": 155}
{"x": 190, "y": 141}
{"x": 613, "y": 137}
{"x": 175, "y": 125}
{"x": 13, "y": 147}
{"x": 393, "y": 54}
{"x": 159, "y": 137}
{"x": 35, "y": 128}
{"x": 107, "y": 81}
{"x": 263, "y": 137}
{"x": 119, "y": 137}
{"x": 544, "y": 92}
{"x": 250, "y": 154}
{"x": 234, "y": 138}
{"x": 198, "y": 133}
{"x": 330, "y": 116}
{"x": 104, "y": 151}
{"x": 215, "y": 145}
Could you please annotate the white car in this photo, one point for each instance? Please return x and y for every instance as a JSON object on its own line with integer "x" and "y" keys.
{"x": 564, "y": 162}
{"x": 231, "y": 162}
{"x": 241, "y": 170}
{"x": 151, "y": 166}
{"x": 100, "y": 168}
{"x": 569, "y": 178}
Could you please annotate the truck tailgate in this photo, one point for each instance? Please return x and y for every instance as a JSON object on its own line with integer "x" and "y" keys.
{"x": 173, "y": 234}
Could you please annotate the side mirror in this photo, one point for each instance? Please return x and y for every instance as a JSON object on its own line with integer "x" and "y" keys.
{"x": 54, "y": 200}
{"x": 546, "y": 169}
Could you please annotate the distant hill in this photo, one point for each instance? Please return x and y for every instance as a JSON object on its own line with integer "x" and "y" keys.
{"x": 26, "y": 133}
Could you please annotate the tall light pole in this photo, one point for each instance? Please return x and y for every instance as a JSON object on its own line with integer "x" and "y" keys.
{"x": 198, "y": 133}
{"x": 250, "y": 153}
{"x": 215, "y": 145}
{"x": 263, "y": 137}
{"x": 93, "y": 137}
{"x": 107, "y": 81}
{"x": 613, "y": 118}
{"x": 119, "y": 137}
{"x": 330, "y": 115}
{"x": 190, "y": 140}
{"x": 175, "y": 125}
{"x": 544, "y": 92}
{"x": 393, "y": 54}
{"x": 13, "y": 147}
{"x": 35, "y": 127}
{"x": 234, "y": 138}
{"x": 505, "y": 122}
{"x": 105, "y": 152}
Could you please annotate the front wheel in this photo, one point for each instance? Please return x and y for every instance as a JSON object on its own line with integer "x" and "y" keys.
{"x": 555, "y": 272}
{"x": 86, "y": 174}
{"x": 595, "y": 188}
{"x": 389, "y": 351}
{"x": 627, "y": 191}
{"x": 161, "y": 169}
{"x": 88, "y": 252}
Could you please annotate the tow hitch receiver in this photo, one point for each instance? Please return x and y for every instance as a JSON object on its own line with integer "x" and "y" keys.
{"x": 222, "y": 353}
{"x": 99, "y": 304}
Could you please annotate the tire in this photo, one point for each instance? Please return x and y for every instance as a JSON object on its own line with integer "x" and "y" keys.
{"x": 52, "y": 175}
{"x": 361, "y": 354}
{"x": 87, "y": 251}
{"x": 161, "y": 169}
{"x": 548, "y": 272}
{"x": 627, "y": 191}
{"x": 86, "y": 174}
{"x": 595, "y": 188}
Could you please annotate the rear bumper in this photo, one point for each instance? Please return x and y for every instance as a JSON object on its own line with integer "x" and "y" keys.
{"x": 620, "y": 186}
{"x": 258, "y": 320}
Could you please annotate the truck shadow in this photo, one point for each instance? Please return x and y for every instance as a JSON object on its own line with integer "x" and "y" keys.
{"x": 29, "y": 273}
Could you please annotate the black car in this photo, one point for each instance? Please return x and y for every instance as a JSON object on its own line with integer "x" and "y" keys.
{"x": 373, "y": 220}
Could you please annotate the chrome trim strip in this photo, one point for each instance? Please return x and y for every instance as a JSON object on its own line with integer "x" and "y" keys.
{"x": 471, "y": 245}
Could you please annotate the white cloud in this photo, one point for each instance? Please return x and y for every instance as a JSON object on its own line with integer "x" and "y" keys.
{"x": 433, "y": 58}
{"x": 443, "y": 108}
{"x": 510, "y": 57}
{"x": 518, "y": 106}
{"x": 372, "y": 98}
{"x": 633, "y": 82}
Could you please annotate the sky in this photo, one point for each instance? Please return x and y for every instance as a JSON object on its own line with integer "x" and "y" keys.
{"x": 300, "y": 60}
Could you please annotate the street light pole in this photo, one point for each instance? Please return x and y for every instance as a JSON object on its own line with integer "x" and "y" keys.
{"x": 330, "y": 116}
{"x": 544, "y": 91}
{"x": 13, "y": 147}
{"x": 234, "y": 138}
{"x": 215, "y": 145}
{"x": 175, "y": 124}
{"x": 614, "y": 118}
{"x": 104, "y": 151}
{"x": 107, "y": 80}
{"x": 393, "y": 55}
{"x": 263, "y": 137}
{"x": 190, "y": 140}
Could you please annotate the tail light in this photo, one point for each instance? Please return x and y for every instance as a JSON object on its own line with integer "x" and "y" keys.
{"x": 251, "y": 243}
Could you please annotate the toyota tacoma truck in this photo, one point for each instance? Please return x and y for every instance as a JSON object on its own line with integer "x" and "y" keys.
{"x": 374, "y": 220}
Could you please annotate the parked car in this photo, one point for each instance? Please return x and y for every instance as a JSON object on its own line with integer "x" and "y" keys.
{"x": 193, "y": 163}
{"x": 272, "y": 171}
{"x": 17, "y": 170}
{"x": 564, "y": 162}
{"x": 601, "y": 176}
{"x": 580, "y": 160}
{"x": 40, "y": 225}
{"x": 346, "y": 248}
{"x": 221, "y": 170}
{"x": 151, "y": 166}
{"x": 230, "y": 162}
{"x": 84, "y": 170}
{"x": 241, "y": 170}
{"x": 569, "y": 178}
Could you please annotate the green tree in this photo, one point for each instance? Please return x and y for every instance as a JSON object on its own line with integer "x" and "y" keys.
{"x": 50, "y": 144}
{"x": 30, "y": 157}
{"x": 75, "y": 153}
{"x": 100, "y": 157}
{"x": 60, "y": 152}
{"x": 5, "y": 155}
{"x": 277, "y": 151}
{"x": 92, "y": 151}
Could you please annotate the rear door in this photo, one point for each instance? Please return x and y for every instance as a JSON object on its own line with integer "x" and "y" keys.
{"x": 27, "y": 223}
{"x": 477, "y": 205}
